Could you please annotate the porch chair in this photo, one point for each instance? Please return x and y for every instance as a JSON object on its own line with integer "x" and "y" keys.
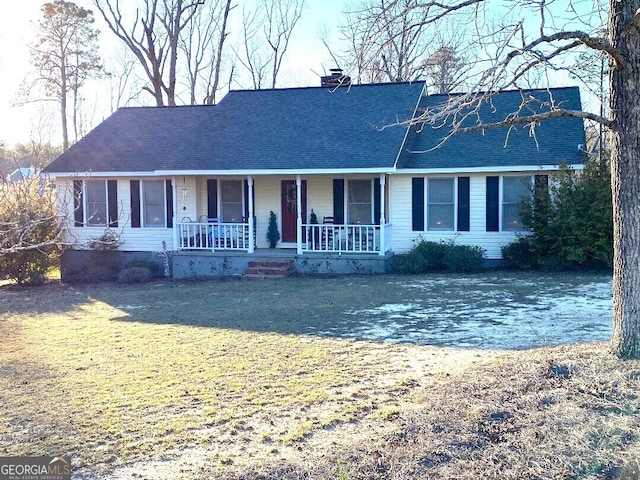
{"x": 327, "y": 233}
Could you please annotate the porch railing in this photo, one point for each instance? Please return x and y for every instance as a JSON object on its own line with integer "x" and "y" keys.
{"x": 213, "y": 236}
{"x": 342, "y": 238}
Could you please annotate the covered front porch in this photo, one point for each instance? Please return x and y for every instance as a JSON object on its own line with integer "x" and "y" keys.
{"x": 323, "y": 214}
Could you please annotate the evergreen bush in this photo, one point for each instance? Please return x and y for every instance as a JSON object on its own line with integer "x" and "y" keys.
{"x": 134, "y": 275}
{"x": 273, "y": 235}
{"x": 150, "y": 265}
{"x": 571, "y": 223}
{"x": 427, "y": 256}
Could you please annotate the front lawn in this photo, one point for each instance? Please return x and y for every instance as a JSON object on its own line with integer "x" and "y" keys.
{"x": 198, "y": 380}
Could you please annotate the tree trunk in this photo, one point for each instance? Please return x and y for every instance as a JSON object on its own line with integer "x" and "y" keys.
{"x": 210, "y": 99}
{"x": 625, "y": 177}
{"x": 63, "y": 98}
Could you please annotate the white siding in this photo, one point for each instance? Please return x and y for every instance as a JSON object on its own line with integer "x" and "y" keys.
{"x": 320, "y": 197}
{"x": 267, "y": 198}
{"x": 133, "y": 239}
{"x": 192, "y": 204}
{"x": 401, "y": 218}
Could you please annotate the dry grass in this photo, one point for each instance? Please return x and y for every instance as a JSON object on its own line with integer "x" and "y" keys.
{"x": 153, "y": 381}
{"x": 567, "y": 412}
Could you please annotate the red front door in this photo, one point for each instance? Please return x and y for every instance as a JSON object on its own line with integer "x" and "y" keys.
{"x": 290, "y": 211}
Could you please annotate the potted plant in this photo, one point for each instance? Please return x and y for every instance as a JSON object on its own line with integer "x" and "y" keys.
{"x": 273, "y": 235}
{"x": 314, "y": 231}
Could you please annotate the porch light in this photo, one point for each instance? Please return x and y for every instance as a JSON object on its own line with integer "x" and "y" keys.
{"x": 184, "y": 193}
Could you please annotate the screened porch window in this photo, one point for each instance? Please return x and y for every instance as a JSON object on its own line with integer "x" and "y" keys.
{"x": 153, "y": 201}
{"x": 360, "y": 204}
{"x": 231, "y": 201}
{"x": 514, "y": 190}
{"x": 96, "y": 203}
{"x": 440, "y": 203}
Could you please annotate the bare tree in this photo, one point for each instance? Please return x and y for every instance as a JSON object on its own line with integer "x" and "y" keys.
{"x": 65, "y": 55}
{"x": 267, "y": 31}
{"x": 30, "y": 234}
{"x": 532, "y": 43}
{"x": 203, "y": 48}
{"x": 445, "y": 68}
{"x": 122, "y": 81}
{"x": 153, "y": 36}
{"x": 592, "y": 69}
{"x": 386, "y": 41}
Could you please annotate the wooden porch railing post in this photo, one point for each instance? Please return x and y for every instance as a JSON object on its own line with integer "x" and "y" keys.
{"x": 252, "y": 246}
{"x": 174, "y": 186}
{"x": 299, "y": 217}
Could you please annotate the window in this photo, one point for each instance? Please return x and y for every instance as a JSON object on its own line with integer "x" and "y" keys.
{"x": 440, "y": 204}
{"x": 514, "y": 190}
{"x": 96, "y": 203}
{"x": 153, "y": 202}
{"x": 360, "y": 205}
{"x": 231, "y": 201}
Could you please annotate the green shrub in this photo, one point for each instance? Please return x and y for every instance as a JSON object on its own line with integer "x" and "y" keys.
{"x": 134, "y": 275}
{"x": 520, "y": 254}
{"x": 150, "y": 265}
{"x": 571, "y": 223}
{"x": 463, "y": 258}
{"x": 97, "y": 274}
{"x": 426, "y": 256}
{"x": 30, "y": 236}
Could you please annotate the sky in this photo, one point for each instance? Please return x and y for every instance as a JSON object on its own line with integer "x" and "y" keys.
{"x": 18, "y": 27}
{"x": 304, "y": 60}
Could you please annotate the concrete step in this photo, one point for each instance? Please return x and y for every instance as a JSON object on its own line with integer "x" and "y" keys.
{"x": 261, "y": 269}
{"x": 269, "y": 270}
{"x": 270, "y": 263}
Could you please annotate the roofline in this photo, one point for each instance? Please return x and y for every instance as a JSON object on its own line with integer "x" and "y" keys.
{"x": 511, "y": 90}
{"x": 406, "y": 133}
{"x": 223, "y": 173}
{"x": 331, "y": 87}
{"x": 340, "y": 171}
{"x": 494, "y": 169}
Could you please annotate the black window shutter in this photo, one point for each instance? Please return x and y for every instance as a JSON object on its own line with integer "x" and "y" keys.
{"x": 112, "y": 197}
{"x": 493, "y": 204}
{"x": 541, "y": 183}
{"x": 376, "y": 201}
{"x": 78, "y": 204}
{"x": 135, "y": 203}
{"x": 338, "y": 201}
{"x": 212, "y": 198}
{"x": 246, "y": 200}
{"x": 417, "y": 204}
{"x": 169, "y": 196}
{"x": 463, "y": 204}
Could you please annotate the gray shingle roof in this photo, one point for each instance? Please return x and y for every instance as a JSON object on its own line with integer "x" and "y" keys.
{"x": 555, "y": 140}
{"x": 290, "y": 129}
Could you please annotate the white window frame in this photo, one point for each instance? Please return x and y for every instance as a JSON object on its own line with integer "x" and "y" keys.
{"x": 143, "y": 206}
{"x": 347, "y": 216}
{"x": 221, "y": 202}
{"x": 502, "y": 202}
{"x": 454, "y": 205}
{"x": 85, "y": 206}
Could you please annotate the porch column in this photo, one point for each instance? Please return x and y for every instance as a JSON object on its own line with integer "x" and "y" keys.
{"x": 176, "y": 229}
{"x": 299, "y": 210}
{"x": 383, "y": 179}
{"x": 252, "y": 246}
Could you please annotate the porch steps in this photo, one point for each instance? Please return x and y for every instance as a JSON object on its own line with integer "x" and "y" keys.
{"x": 262, "y": 269}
